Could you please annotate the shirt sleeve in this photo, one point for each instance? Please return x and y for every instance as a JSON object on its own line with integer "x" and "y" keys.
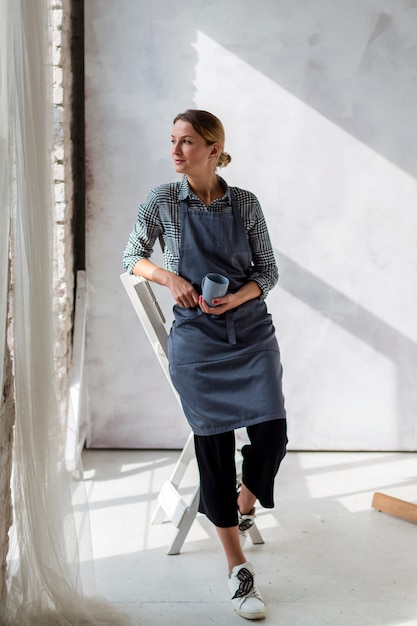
{"x": 265, "y": 270}
{"x": 146, "y": 230}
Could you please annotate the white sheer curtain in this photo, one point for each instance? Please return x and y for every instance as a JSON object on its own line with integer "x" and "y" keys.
{"x": 4, "y": 189}
{"x": 44, "y": 587}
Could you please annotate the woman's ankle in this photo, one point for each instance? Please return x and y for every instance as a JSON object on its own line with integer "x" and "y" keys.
{"x": 245, "y": 500}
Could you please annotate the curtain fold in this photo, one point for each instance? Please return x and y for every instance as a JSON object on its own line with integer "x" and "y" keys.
{"x": 45, "y": 585}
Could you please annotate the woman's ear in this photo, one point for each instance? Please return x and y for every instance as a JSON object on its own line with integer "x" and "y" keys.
{"x": 215, "y": 150}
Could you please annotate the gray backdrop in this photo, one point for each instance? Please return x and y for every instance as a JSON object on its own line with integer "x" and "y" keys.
{"x": 319, "y": 102}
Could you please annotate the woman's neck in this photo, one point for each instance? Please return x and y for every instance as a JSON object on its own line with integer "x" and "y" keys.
{"x": 207, "y": 189}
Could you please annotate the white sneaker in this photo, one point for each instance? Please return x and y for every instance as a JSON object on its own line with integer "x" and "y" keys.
{"x": 246, "y": 599}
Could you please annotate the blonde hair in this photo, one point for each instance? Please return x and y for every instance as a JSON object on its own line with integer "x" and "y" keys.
{"x": 210, "y": 128}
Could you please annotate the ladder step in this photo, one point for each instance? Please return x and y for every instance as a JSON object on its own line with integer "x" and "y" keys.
{"x": 172, "y": 503}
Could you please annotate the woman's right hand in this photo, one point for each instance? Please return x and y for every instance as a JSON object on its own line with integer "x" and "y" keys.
{"x": 182, "y": 291}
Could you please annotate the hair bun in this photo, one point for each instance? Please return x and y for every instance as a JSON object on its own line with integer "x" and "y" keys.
{"x": 224, "y": 159}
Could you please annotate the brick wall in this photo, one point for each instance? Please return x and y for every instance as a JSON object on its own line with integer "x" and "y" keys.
{"x": 61, "y": 15}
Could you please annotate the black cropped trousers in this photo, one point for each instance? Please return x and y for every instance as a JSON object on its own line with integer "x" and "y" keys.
{"x": 216, "y": 462}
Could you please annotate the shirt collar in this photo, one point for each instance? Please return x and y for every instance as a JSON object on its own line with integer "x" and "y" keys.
{"x": 185, "y": 191}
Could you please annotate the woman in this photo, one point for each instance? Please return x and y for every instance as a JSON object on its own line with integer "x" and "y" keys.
{"x": 224, "y": 357}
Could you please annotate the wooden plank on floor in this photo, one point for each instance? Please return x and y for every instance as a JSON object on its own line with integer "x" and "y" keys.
{"x": 394, "y": 506}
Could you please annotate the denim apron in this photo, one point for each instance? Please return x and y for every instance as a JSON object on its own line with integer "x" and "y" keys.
{"x": 226, "y": 368}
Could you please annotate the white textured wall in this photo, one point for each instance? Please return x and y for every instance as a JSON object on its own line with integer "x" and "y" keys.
{"x": 319, "y": 101}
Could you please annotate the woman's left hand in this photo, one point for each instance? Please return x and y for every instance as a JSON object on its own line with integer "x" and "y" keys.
{"x": 221, "y": 304}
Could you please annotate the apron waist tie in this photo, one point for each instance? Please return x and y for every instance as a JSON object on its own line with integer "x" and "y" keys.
{"x": 230, "y": 323}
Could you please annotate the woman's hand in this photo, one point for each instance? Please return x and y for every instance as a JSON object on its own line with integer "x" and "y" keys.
{"x": 226, "y": 303}
{"x": 182, "y": 291}
{"x": 249, "y": 291}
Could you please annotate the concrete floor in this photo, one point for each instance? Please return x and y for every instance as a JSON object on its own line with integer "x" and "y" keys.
{"x": 328, "y": 557}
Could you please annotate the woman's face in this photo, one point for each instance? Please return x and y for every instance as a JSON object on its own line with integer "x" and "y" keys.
{"x": 190, "y": 152}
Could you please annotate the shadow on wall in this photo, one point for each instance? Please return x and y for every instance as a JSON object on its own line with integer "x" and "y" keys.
{"x": 357, "y": 66}
{"x": 362, "y": 324}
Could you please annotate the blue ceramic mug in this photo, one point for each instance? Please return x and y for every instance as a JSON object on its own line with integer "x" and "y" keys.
{"x": 214, "y": 286}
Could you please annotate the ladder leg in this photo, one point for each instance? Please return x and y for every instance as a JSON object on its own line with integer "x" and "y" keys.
{"x": 186, "y": 456}
{"x": 255, "y": 535}
{"x": 185, "y": 525}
